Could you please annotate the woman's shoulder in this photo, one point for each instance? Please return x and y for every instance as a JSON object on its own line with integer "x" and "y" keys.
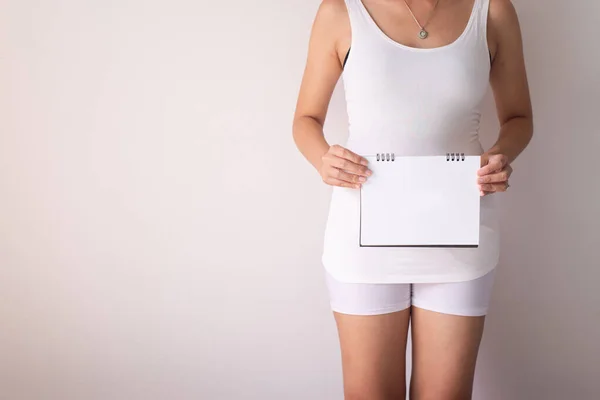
{"x": 333, "y": 6}
{"x": 334, "y": 24}
{"x": 503, "y": 23}
{"x": 333, "y": 11}
{"x": 502, "y": 14}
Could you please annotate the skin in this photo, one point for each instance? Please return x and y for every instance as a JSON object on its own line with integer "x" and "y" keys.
{"x": 445, "y": 347}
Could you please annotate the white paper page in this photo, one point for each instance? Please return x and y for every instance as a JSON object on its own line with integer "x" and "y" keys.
{"x": 421, "y": 201}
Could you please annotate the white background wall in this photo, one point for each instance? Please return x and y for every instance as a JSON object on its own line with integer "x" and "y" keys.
{"x": 160, "y": 236}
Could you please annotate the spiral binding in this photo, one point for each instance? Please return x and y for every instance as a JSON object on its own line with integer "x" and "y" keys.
{"x": 455, "y": 156}
{"x": 392, "y": 156}
{"x": 386, "y": 156}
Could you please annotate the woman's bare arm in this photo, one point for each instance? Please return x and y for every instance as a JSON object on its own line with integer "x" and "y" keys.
{"x": 508, "y": 79}
{"x": 330, "y": 32}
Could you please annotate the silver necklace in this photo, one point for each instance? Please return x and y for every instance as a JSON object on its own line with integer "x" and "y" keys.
{"x": 422, "y": 33}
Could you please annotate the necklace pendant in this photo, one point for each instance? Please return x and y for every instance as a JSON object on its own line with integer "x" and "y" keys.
{"x": 423, "y": 34}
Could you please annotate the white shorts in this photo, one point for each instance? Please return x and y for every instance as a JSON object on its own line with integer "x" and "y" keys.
{"x": 468, "y": 298}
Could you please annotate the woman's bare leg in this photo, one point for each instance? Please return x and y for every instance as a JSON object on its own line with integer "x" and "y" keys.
{"x": 373, "y": 351}
{"x": 444, "y": 355}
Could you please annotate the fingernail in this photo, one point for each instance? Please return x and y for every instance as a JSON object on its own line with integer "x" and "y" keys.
{"x": 357, "y": 186}
{"x": 369, "y": 172}
{"x": 480, "y": 180}
{"x": 362, "y": 179}
{"x": 364, "y": 162}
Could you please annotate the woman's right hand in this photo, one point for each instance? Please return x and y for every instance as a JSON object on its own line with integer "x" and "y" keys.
{"x": 341, "y": 167}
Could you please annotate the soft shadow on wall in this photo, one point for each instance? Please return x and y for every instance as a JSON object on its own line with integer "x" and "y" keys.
{"x": 542, "y": 332}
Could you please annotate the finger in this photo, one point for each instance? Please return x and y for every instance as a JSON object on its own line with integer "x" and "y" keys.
{"x": 501, "y": 176}
{"x": 340, "y": 183}
{"x": 484, "y": 159}
{"x": 495, "y": 163}
{"x": 493, "y": 187}
{"x": 345, "y": 176}
{"x": 492, "y": 166}
{"x": 349, "y": 166}
{"x": 348, "y": 155}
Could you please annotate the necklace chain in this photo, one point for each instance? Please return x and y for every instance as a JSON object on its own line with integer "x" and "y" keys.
{"x": 423, "y": 33}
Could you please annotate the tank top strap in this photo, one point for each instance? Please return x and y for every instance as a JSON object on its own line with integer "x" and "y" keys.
{"x": 481, "y": 8}
{"x": 484, "y": 6}
{"x": 360, "y": 21}
{"x": 476, "y": 31}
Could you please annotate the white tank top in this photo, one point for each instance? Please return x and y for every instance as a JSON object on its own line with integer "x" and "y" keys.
{"x": 410, "y": 102}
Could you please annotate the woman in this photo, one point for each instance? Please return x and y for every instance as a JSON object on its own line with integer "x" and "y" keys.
{"x": 414, "y": 74}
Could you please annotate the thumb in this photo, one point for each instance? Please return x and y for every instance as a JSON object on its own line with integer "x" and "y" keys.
{"x": 485, "y": 159}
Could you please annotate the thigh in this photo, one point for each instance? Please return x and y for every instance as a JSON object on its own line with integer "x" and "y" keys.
{"x": 372, "y": 322}
{"x": 447, "y": 327}
{"x": 373, "y": 351}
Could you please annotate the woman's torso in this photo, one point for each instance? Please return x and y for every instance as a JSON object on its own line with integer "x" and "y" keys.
{"x": 415, "y": 101}
{"x": 411, "y": 101}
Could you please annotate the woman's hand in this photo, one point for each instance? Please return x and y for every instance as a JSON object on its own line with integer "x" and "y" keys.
{"x": 493, "y": 174}
{"x": 341, "y": 167}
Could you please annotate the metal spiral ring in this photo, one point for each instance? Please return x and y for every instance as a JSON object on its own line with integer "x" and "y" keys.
{"x": 386, "y": 157}
{"x": 455, "y": 156}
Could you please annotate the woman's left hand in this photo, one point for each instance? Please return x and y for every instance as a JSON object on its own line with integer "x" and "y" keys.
{"x": 493, "y": 174}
